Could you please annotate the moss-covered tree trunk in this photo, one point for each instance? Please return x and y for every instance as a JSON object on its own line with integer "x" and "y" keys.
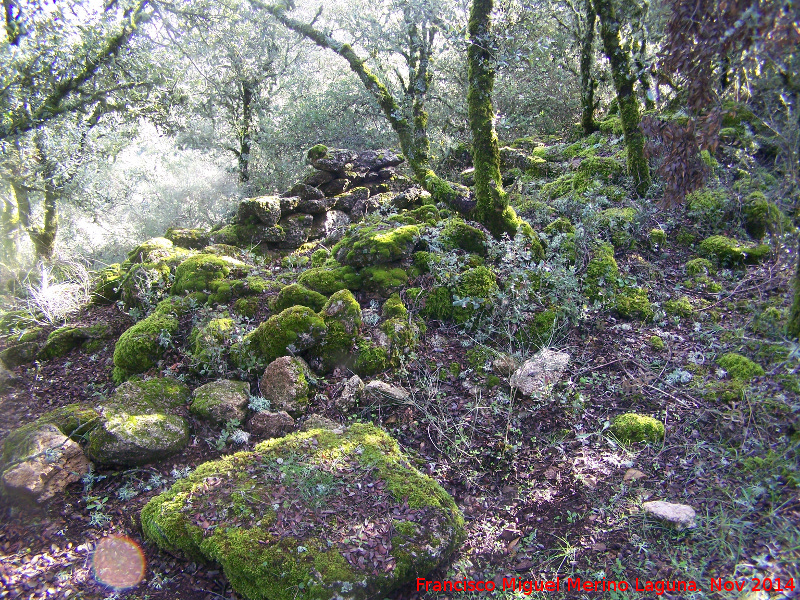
{"x": 492, "y": 209}
{"x": 624, "y": 79}
{"x": 588, "y": 83}
{"x": 411, "y": 132}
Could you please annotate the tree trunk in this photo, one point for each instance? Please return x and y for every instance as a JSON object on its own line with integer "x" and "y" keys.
{"x": 645, "y": 83}
{"x": 620, "y": 63}
{"x": 245, "y": 132}
{"x": 492, "y": 209}
{"x": 588, "y": 83}
{"x": 9, "y": 223}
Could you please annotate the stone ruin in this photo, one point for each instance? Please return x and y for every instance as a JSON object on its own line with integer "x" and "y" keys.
{"x": 344, "y": 186}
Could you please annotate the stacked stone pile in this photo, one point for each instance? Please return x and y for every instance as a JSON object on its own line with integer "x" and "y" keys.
{"x": 344, "y": 186}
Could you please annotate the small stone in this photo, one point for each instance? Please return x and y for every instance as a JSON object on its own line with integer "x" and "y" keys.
{"x": 285, "y": 384}
{"x": 633, "y": 475}
{"x": 539, "y": 374}
{"x": 351, "y": 394}
{"x": 681, "y": 516}
{"x": 267, "y": 425}
{"x": 382, "y": 391}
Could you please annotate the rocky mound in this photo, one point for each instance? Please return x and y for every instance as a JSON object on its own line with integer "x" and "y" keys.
{"x": 321, "y": 514}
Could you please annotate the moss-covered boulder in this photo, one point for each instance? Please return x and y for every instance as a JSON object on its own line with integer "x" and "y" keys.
{"x": 293, "y": 331}
{"x": 458, "y": 234}
{"x": 330, "y": 279}
{"x": 286, "y": 384}
{"x": 197, "y": 273}
{"x": 221, "y": 401}
{"x": 190, "y": 239}
{"x": 66, "y": 338}
{"x": 474, "y": 290}
{"x": 342, "y": 317}
{"x": 602, "y": 274}
{"x": 298, "y": 295}
{"x": 264, "y": 210}
{"x": 631, "y": 428}
{"x": 619, "y": 224}
{"x": 140, "y": 347}
{"x": 726, "y": 251}
{"x": 209, "y": 343}
{"x": 319, "y": 514}
{"x": 151, "y": 251}
{"x": 740, "y": 367}
{"x": 595, "y": 168}
{"x": 106, "y": 285}
{"x": 384, "y": 279}
{"x": 145, "y": 284}
{"x": 371, "y": 244}
{"x": 762, "y": 216}
{"x": 139, "y": 425}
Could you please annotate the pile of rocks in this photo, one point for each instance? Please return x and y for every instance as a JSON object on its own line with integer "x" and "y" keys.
{"x": 344, "y": 186}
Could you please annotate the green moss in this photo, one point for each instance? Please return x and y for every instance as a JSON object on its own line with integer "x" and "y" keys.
{"x": 740, "y": 367}
{"x": 681, "y": 307}
{"x": 538, "y": 331}
{"x": 368, "y": 244}
{"x": 657, "y": 238}
{"x": 699, "y": 267}
{"x": 762, "y": 216}
{"x": 208, "y": 398}
{"x": 64, "y": 339}
{"x": 292, "y": 331}
{"x": 191, "y": 239}
{"x": 458, "y": 234}
{"x": 631, "y": 428}
{"x": 298, "y": 295}
{"x": 707, "y": 208}
{"x": 438, "y": 304}
{"x": 140, "y": 347}
{"x": 342, "y": 317}
{"x": 475, "y": 289}
{"x": 371, "y": 359}
{"x": 330, "y": 279}
{"x": 317, "y": 152}
{"x": 559, "y": 187}
{"x": 656, "y": 343}
{"x": 383, "y": 279}
{"x": 560, "y": 225}
{"x": 307, "y": 565}
{"x": 394, "y": 307}
{"x": 611, "y": 125}
{"x": 601, "y": 274}
{"x": 152, "y": 250}
{"x": 319, "y": 257}
{"x": 633, "y": 303}
{"x": 403, "y": 335}
{"x": 729, "y": 252}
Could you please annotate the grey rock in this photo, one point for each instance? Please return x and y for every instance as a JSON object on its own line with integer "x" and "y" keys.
{"x": 336, "y": 187}
{"x": 345, "y": 202}
{"x": 327, "y": 224}
{"x": 381, "y": 391}
{"x": 315, "y": 206}
{"x": 374, "y": 160}
{"x": 335, "y": 160}
{"x": 681, "y": 516}
{"x": 315, "y": 421}
{"x": 267, "y": 425}
{"x": 264, "y": 209}
{"x": 296, "y": 228}
{"x": 221, "y": 401}
{"x": 318, "y": 178}
{"x": 537, "y": 376}
{"x": 50, "y": 463}
{"x": 285, "y": 384}
{"x": 306, "y": 192}
{"x": 289, "y": 205}
{"x": 351, "y": 394}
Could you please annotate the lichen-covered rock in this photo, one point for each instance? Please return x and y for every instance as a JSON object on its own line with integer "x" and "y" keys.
{"x": 151, "y": 251}
{"x": 145, "y": 284}
{"x": 329, "y": 280}
{"x": 305, "y": 192}
{"x": 317, "y": 421}
{"x": 190, "y": 239}
{"x": 346, "y": 202}
{"x": 370, "y": 244}
{"x": 319, "y": 178}
{"x": 458, "y": 234}
{"x": 631, "y": 427}
{"x": 49, "y": 463}
{"x": 294, "y": 330}
{"x": 336, "y": 187}
{"x": 350, "y": 395}
{"x": 375, "y": 160}
{"x": 137, "y": 426}
{"x": 329, "y": 226}
{"x": 284, "y": 498}
{"x": 266, "y": 425}
{"x": 380, "y": 391}
{"x": 342, "y": 317}
{"x": 296, "y": 229}
{"x": 265, "y": 210}
{"x": 334, "y": 160}
{"x": 286, "y": 384}
{"x": 221, "y": 401}
{"x": 537, "y": 376}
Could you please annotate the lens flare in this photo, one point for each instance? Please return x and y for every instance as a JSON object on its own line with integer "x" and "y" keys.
{"x": 118, "y": 562}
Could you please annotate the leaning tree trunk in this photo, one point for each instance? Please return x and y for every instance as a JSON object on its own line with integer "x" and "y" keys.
{"x": 624, "y": 80}
{"x": 492, "y": 209}
{"x": 411, "y": 133}
{"x": 588, "y": 83}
